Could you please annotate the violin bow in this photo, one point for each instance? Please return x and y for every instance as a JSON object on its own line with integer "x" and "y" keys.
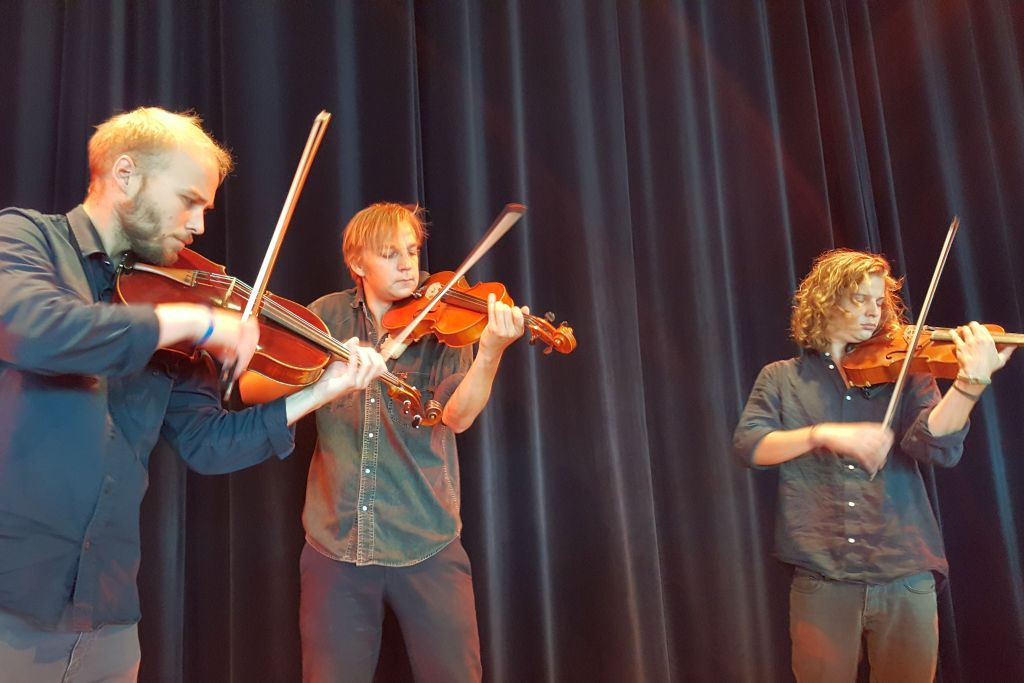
{"x": 901, "y": 379}
{"x": 259, "y": 287}
{"x": 508, "y": 217}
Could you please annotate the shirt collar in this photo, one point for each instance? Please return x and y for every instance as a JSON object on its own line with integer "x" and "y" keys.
{"x": 360, "y": 298}
{"x": 85, "y": 232}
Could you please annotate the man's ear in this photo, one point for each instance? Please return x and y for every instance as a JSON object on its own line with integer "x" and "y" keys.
{"x": 357, "y": 268}
{"x": 122, "y": 171}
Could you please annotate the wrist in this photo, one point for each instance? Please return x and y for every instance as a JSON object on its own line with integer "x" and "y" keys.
{"x": 814, "y": 436}
{"x": 207, "y": 328}
{"x": 972, "y": 394}
{"x": 973, "y": 379}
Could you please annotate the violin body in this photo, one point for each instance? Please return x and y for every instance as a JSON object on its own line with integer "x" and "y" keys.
{"x": 461, "y": 316}
{"x": 295, "y": 345}
{"x": 879, "y": 359}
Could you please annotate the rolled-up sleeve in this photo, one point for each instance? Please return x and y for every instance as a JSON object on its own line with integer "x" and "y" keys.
{"x": 761, "y": 416}
{"x": 920, "y": 398}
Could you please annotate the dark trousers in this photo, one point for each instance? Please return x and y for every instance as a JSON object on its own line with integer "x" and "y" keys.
{"x": 897, "y": 623}
{"x": 342, "y": 611}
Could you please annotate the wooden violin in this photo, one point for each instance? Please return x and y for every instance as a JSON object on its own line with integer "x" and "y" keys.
{"x": 461, "y": 316}
{"x": 295, "y": 345}
{"x": 878, "y": 360}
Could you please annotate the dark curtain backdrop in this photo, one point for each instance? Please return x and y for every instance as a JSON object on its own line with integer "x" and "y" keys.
{"x": 683, "y": 162}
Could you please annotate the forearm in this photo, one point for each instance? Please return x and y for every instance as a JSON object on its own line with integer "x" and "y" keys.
{"x": 302, "y": 403}
{"x": 951, "y": 413}
{"x": 182, "y": 323}
{"x": 471, "y": 396}
{"x": 784, "y": 445}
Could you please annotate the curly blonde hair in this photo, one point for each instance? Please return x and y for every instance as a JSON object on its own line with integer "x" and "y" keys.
{"x": 146, "y": 134}
{"x": 375, "y": 227}
{"x": 834, "y": 275}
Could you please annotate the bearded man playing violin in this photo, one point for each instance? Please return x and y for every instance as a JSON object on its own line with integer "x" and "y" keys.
{"x": 854, "y": 520}
{"x": 382, "y": 502}
{"x": 84, "y": 396}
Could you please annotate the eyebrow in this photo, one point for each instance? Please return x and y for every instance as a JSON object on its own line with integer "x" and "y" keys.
{"x": 198, "y": 197}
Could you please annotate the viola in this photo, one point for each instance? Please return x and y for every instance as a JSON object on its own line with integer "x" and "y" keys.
{"x": 295, "y": 345}
{"x": 461, "y": 316}
{"x": 878, "y": 360}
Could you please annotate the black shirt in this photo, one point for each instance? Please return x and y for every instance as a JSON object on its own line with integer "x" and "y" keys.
{"x": 832, "y": 519}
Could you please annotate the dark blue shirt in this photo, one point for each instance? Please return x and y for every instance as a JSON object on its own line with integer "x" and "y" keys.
{"x": 83, "y": 401}
{"x": 832, "y": 519}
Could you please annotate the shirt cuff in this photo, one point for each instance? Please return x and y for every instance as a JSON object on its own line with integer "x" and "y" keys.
{"x": 280, "y": 435}
{"x": 443, "y": 392}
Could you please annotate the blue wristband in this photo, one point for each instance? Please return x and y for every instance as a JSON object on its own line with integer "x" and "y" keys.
{"x": 206, "y": 335}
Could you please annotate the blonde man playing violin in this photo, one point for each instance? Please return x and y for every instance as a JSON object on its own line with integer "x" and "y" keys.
{"x": 84, "y": 398}
{"x": 854, "y": 519}
{"x": 382, "y": 503}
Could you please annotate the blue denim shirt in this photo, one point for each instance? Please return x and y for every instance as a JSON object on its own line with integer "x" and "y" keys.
{"x": 83, "y": 401}
{"x": 381, "y": 491}
{"x": 832, "y": 519}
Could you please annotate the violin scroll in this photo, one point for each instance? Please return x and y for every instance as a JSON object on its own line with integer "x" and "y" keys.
{"x": 560, "y": 339}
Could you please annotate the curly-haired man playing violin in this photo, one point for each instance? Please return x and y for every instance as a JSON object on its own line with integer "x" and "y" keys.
{"x": 854, "y": 519}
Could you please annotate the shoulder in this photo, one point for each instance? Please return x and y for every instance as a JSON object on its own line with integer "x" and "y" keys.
{"x": 781, "y": 368}
{"x": 14, "y": 219}
{"x": 26, "y": 228}
{"x": 334, "y": 305}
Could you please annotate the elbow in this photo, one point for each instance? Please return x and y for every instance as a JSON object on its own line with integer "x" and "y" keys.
{"x": 456, "y": 423}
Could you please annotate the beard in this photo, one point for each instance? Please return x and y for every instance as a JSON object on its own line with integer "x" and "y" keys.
{"x": 140, "y": 223}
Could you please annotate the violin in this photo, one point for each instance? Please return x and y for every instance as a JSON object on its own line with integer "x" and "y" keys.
{"x": 295, "y": 345}
{"x": 461, "y": 316}
{"x": 878, "y": 360}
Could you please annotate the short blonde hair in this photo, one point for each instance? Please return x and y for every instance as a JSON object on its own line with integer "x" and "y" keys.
{"x": 146, "y": 134}
{"x": 375, "y": 227}
{"x": 836, "y": 274}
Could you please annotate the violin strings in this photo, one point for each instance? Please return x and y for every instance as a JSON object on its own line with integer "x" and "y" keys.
{"x": 314, "y": 333}
{"x": 482, "y": 303}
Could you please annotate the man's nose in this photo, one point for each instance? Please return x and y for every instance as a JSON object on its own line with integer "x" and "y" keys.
{"x": 197, "y": 223}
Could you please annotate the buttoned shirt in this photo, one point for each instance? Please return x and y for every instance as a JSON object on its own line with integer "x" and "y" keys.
{"x": 83, "y": 401}
{"x": 380, "y": 490}
{"x": 832, "y": 518}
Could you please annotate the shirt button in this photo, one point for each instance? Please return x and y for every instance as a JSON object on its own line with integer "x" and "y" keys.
{"x": 365, "y": 508}
{"x": 851, "y": 540}
{"x": 373, "y": 400}
{"x": 850, "y": 467}
{"x": 367, "y": 470}
{"x": 370, "y": 435}
{"x": 852, "y": 504}
{"x": 828, "y": 355}
{"x": 849, "y": 398}
{"x": 831, "y": 367}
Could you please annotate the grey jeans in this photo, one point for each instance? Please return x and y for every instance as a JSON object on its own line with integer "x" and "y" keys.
{"x": 896, "y": 623}
{"x": 29, "y": 654}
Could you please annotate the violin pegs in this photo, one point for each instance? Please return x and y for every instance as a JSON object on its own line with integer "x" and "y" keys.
{"x": 547, "y": 351}
{"x": 549, "y": 316}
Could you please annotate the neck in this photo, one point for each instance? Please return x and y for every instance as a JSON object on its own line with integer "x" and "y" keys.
{"x": 102, "y": 215}
{"x": 378, "y": 306}
{"x": 837, "y": 350}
